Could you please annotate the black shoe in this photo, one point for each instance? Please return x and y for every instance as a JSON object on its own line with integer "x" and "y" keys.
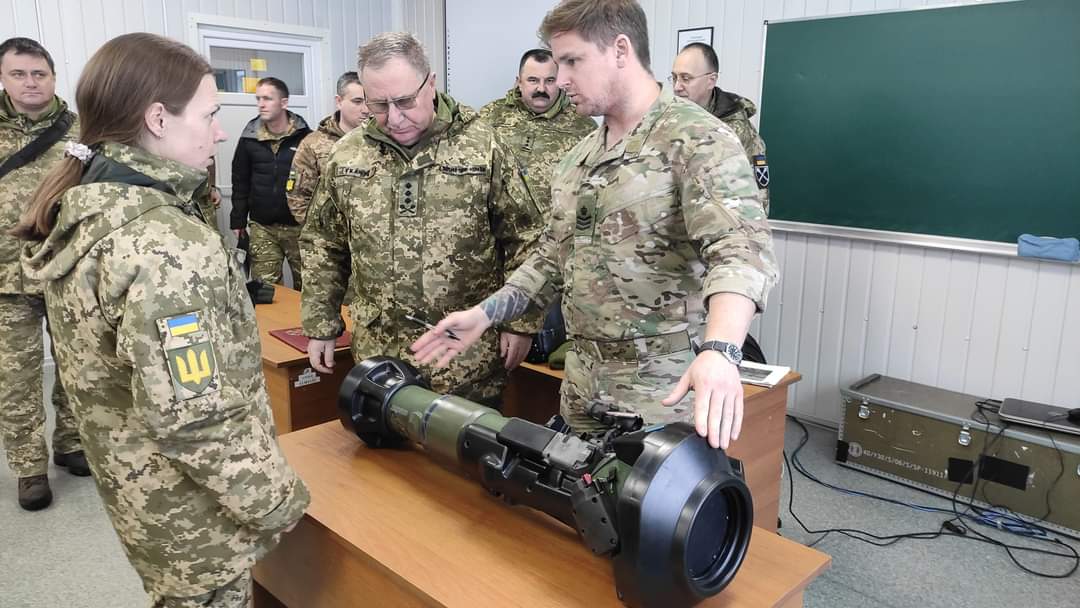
{"x": 75, "y": 463}
{"x": 34, "y": 492}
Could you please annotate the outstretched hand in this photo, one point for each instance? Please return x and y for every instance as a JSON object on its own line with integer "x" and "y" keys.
{"x": 450, "y": 337}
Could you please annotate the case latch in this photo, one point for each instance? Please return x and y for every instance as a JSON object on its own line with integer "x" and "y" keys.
{"x": 965, "y": 436}
{"x": 864, "y": 410}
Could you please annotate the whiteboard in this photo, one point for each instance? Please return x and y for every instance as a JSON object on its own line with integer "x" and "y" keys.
{"x": 484, "y": 42}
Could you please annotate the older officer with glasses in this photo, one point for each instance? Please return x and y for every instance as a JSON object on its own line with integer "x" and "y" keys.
{"x": 425, "y": 209}
{"x": 693, "y": 76}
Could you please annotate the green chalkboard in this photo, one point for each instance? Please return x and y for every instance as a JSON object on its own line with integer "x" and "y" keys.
{"x": 959, "y": 121}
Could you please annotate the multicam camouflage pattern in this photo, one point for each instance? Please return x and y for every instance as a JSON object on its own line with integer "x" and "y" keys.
{"x": 270, "y": 247}
{"x": 308, "y": 163}
{"x": 736, "y": 112}
{"x": 537, "y": 141}
{"x": 196, "y": 488}
{"x": 641, "y": 235}
{"x": 16, "y": 131}
{"x": 236, "y": 594}
{"x": 22, "y": 404}
{"x": 257, "y": 128}
{"x": 22, "y": 308}
{"x": 430, "y": 229}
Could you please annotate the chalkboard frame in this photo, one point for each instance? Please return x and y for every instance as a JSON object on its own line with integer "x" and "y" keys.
{"x": 924, "y": 240}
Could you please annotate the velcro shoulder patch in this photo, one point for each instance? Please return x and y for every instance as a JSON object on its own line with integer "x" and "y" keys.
{"x": 761, "y": 171}
{"x": 190, "y": 355}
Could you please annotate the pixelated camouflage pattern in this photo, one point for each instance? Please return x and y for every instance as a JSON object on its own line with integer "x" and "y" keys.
{"x": 22, "y": 402}
{"x": 207, "y": 209}
{"x": 537, "y": 141}
{"x": 736, "y": 112}
{"x": 16, "y": 131}
{"x": 22, "y": 308}
{"x": 430, "y": 229}
{"x": 196, "y": 489}
{"x": 308, "y": 163}
{"x": 235, "y": 594}
{"x": 270, "y": 247}
{"x": 641, "y": 235}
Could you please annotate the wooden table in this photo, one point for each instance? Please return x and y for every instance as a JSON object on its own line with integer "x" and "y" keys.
{"x": 299, "y": 396}
{"x": 392, "y": 528}
{"x": 533, "y": 394}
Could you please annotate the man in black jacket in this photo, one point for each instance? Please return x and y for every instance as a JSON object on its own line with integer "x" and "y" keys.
{"x": 261, "y": 177}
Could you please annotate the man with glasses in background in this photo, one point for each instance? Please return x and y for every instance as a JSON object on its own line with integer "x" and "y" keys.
{"x": 693, "y": 76}
{"x": 424, "y": 207}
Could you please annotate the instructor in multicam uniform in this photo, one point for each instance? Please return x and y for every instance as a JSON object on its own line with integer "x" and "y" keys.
{"x": 657, "y": 240}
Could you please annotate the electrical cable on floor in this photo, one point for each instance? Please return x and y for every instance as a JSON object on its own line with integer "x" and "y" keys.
{"x": 952, "y": 527}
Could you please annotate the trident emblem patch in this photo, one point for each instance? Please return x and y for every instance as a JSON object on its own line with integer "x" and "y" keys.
{"x": 189, "y": 355}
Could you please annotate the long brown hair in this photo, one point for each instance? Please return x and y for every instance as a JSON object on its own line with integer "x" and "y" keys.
{"x": 122, "y": 79}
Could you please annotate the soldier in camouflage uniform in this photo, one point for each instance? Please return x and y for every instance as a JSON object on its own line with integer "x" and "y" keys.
{"x": 262, "y": 179}
{"x": 314, "y": 151}
{"x": 657, "y": 240}
{"x": 156, "y": 335}
{"x": 693, "y": 76}
{"x": 430, "y": 206}
{"x": 28, "y": 107}
{"x": 536, "y": 121}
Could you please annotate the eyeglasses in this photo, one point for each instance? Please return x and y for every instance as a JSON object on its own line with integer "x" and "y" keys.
{"x": 403, "y": 103}
{"x": 687, "y": 78}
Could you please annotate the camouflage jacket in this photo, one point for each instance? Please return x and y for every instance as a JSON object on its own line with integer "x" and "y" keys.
{"x": 538, "y": 141}
{"x": 736, "y": 113}
{"x": 308, "y": 163}
{"x": 643, "y": 233}
{"x": 159, "y": 351}
{"x": 16, "y": 131}
{"x": 430, "y": 229}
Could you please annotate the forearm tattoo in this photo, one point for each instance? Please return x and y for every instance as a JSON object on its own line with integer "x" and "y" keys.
{"x": 505, "y": 305}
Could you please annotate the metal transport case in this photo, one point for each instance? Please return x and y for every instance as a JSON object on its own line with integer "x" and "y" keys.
{"x": 931, "y": 438}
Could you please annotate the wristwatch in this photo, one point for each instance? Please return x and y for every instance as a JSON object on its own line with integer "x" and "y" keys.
{"x": 730, "y": 351}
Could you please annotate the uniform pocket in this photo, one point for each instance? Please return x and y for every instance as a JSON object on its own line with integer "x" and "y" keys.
{"x": 651, "y": 261}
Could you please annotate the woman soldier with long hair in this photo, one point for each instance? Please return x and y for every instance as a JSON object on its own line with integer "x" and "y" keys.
{"x": 154, "y": 330}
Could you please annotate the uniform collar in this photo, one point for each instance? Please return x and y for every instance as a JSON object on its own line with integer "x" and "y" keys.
{"x": 446, "y": 114}
{"x": 634, "y": 141}
{"x": 115, "y": 162}
{"x": 10, "y": 114}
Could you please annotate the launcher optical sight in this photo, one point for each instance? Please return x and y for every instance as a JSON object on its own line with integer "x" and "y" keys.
{"x": 673, "y": 513}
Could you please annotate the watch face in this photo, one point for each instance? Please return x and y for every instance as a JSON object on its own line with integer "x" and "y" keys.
{"x": 733, "y": 353}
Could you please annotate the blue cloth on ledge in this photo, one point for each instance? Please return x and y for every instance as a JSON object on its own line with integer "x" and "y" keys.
{"x": 1066, "y": 250}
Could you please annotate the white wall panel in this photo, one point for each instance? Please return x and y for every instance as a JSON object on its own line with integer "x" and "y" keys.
{"x": 844, "y": 309}
{"x": 72, "y": 30}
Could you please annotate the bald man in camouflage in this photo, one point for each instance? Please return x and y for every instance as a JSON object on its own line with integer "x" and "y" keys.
{"x": 693, "y": 76}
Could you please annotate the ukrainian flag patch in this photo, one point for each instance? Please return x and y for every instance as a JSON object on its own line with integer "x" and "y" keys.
{"x": 183, "y": 324}
{"x": 189, "y": 355}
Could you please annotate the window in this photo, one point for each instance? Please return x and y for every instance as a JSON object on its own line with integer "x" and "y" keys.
{"x": 236, "y": 70}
